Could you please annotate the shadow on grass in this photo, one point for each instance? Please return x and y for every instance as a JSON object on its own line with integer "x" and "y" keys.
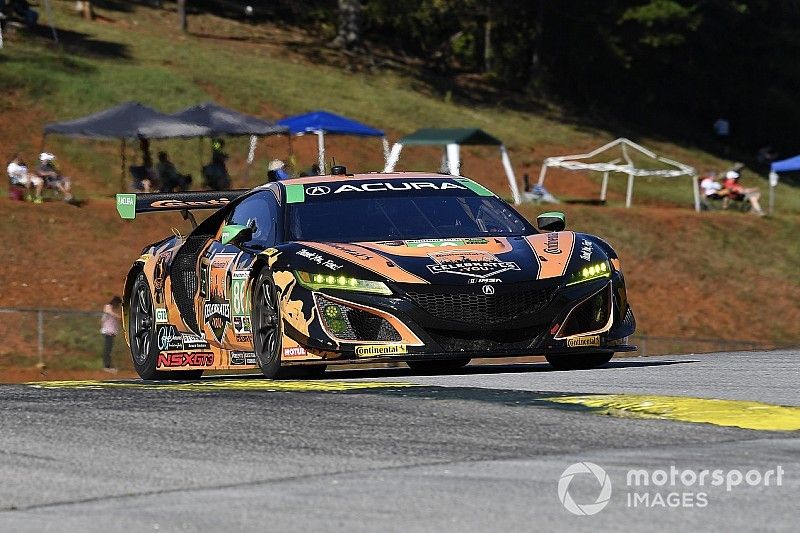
{"x": 82, "y": 44}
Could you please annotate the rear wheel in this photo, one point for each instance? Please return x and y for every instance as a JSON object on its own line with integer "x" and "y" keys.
{"x": 142, "y": 335}
{"x": 438, "y": 367}
{"x": 579, "y": 361}
{"x": 266, "y": 324}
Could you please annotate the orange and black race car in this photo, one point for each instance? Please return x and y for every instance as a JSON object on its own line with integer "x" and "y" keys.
{"x": 430, "y": 270}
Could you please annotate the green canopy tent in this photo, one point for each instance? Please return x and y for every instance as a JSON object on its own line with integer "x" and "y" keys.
{"x": 452, "y": 139}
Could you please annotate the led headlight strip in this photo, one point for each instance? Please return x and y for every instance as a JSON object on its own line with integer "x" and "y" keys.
{"x": 590, "y": 272}
{"x": 315, "y": 282}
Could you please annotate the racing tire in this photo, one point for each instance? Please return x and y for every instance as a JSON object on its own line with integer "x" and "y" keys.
{"x": 438, "y": 367}
{"x": 266, "y": 319}
{"x": 578, "y": 362}
{"x": 142, "y": 335}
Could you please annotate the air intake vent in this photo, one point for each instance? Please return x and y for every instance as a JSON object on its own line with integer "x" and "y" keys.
{"x": 350, "y": 324}
{"x": 483, "y": 309}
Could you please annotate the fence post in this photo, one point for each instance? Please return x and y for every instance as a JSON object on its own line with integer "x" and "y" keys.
{"x": 40, "y": 330}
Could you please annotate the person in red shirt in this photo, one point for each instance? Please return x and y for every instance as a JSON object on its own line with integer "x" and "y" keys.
{"x": 740, "y": 194}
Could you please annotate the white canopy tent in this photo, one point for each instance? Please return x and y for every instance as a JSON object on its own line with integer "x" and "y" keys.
{"x": 452, "y": 139}
{"x": 624, "y": 165}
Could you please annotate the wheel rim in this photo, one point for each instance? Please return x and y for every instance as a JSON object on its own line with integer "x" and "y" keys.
{"x": 141, "y": 321}
{"x": 265, "y": 340}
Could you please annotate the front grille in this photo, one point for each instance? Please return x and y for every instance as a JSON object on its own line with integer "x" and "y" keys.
{"x": 351, "y": 324}
{"x": 472, "y": 341}
{"x": 591, "y": 315}
{"x": 482, "y": 309}
{"x": 184, "y": 277}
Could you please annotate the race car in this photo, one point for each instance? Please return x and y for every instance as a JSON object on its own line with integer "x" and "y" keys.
{"x": 431, "y": 270}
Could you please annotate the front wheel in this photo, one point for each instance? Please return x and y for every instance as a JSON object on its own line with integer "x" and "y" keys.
{"x": 438, "y": 367}
{"x": 578, "y": 361}
{"x": 266, "y": 319}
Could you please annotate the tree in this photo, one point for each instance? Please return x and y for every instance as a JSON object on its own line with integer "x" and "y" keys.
{"x": 349, "y": 35}
{"x": 182, "y": 16}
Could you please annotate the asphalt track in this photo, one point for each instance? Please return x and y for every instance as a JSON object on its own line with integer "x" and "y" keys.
{"x": 387, "y": 450}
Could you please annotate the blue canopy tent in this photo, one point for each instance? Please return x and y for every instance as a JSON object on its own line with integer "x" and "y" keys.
{"x": 321, "y": 123}
{"x": 786, "y": 165}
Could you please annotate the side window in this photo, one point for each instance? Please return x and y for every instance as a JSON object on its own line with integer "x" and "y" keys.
{"x": 260, "y": 211}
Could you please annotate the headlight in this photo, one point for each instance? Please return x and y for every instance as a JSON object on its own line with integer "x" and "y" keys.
{"x": 315, "y": 282}
{"x": 590, "y": 272}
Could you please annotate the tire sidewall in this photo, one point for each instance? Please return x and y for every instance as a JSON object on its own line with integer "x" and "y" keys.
{"x": 269, "y": 368}
{"x": 147, "y": 370}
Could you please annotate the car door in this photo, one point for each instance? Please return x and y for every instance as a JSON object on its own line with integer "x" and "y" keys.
{"x": 225, "y": 268}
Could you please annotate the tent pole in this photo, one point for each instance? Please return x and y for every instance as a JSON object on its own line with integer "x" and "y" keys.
{"x": 394, "y": 157}
{"x": 696, "y": 187}
{"x": 200, "y": 154}
{"x": 453, "y": 159}
{"x": 122, "y": 169}
{"x": 512, "y": 179}
{"x": 604, "y": 188}
{"x": 321, "y": 151}
{"x": 251, "y": 154}
{"x": 542, "y": 172}
{"x": 385, "y": 143}
{"x": 629, "y": 195}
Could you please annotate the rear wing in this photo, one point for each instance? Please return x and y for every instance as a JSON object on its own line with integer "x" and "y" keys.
{"x": 130, "y": 204}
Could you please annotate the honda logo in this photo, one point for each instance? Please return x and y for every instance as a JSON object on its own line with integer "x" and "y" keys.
{"x": 487, "y": 289}
{"x": 318, "y": 190}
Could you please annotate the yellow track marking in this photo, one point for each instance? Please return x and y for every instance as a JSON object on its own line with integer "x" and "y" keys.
{"x": 225, "y": 384}
{"x": 734, "y": 413}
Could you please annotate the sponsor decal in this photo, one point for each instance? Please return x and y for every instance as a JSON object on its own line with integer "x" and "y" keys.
{"x": 590, "y": 340}
{"x": 586, "y": 250}
{"x": 241, "y": 325}
{"x": 179, "y": 359}
{"x": 480, "y": 265}
{"x": 294, "y": 351}
{"x": 243, "y": 358}
{"x": 203, "y": 280}
{"x": 168, "y": 338}
{"x": 244, "y": 339}
{"x": 126, "y": 205}
{"x": 160, "y": 275}
{"x": 374, "y": 350}
{"x": 321, "y": 190}
{"x": 240, "y": 303}
{"x": 161, "y": 316}
{"x": 193, "y": 342}
{"x": 318, "y": 259}
{"x": 485, "y": 280}
{"x": 433, "y": 243}
{"x": 171, "y": 204}
{"x": 217, "y": 314}
{"x": 487, "y": 290}
{"x": 222, "y": 261}
{"x": 348, "y": 251}
{"x": 552, "y": 244}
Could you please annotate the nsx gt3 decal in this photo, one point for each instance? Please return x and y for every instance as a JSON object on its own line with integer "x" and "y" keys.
{"x": 375, "y": 350}
{"x": 552, "y": 251}
{"x": 474, "y": 264}
{"x": 179, "y": 359}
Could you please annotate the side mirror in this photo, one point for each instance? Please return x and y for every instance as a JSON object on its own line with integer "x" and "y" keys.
{"x": 236, "y": 234}
{"x": 551, "y": 221}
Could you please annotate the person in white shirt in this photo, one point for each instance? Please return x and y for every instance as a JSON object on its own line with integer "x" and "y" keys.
{"x": 710, "y": 186}
{"x": 109, "y": 328}
{"x": 18, "y": 175}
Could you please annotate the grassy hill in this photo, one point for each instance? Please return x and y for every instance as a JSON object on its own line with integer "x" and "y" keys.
{"x": 721, "y": 274}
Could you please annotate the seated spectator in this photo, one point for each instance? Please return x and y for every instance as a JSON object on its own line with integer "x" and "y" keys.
{"x": 738, "y": 193}
{"x": 22, "y": 9}
{"x": 141, "y": 179}
{"x": 313, "y": 172}
{"x": 215, "y": 174}
{"x": 168, "y": 176}
{"x": 19, "y": 176}
{"x": 276, "y": 171}
{"x": 49, "y": 172}
{"x": 711, "y": 187}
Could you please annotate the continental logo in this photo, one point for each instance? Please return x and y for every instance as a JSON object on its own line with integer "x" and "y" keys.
{"x": 375, "y": 350}
{"x": 590, "y": 340}
{"x": 172, "y": 204}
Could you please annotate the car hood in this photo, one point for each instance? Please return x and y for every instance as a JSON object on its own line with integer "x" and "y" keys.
{"x": 459, "y": 261}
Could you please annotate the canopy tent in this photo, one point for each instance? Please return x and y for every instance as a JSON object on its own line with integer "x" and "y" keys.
{"x": 578, "y": 162}
{"x": 452, "y": 139}
{"x": 786, "y": 165}
{"x": 221, "y": 121}
{"x": 129, "y": 120}
{"x": 321, "y": 123}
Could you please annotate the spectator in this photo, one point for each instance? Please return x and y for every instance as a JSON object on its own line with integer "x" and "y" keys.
{"x": 48, "y": 170}
{"x": 766, "y": 155}
{"x": 145, "y": 179}
{"x": 313, "y": 172}
{"x": 109, "y": 328}
{"x": 739, "y": 194}
{"x": 168, "y": 176}
{"x": 18, "y": 175}
{"x": 276, "y": 171}
{"x": 711, "y": 187}
{"x": 215, "y": 174}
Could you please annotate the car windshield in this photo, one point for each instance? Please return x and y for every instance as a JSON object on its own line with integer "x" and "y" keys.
{"x": 392, "y": 217}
